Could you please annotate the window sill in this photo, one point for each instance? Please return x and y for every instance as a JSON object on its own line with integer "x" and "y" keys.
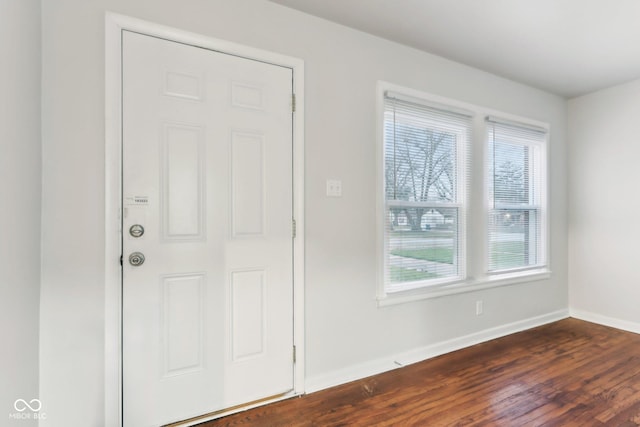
{"x": 506, "y": 279}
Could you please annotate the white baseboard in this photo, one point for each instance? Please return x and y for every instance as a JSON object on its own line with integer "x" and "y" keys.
{"x": 625, "y": 325}
{"x": 378, "y": 366}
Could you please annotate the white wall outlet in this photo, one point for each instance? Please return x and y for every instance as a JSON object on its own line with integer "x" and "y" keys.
{"x": 479, "y": 308}
{"x": 334, "y": 188}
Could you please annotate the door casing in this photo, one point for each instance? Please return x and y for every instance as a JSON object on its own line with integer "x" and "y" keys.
{"x": 114, "y": 25}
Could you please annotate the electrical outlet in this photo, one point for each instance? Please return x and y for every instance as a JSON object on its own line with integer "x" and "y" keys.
{"x": 479, "y": 308}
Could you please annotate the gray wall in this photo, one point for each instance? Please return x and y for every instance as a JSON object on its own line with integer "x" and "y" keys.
{"x": 20, "y": 159}
{"x": 605, "y": 227}
{"x": 344, "y": 327}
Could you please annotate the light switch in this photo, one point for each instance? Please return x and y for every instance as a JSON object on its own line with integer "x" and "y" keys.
{"x": 334, "y": 188}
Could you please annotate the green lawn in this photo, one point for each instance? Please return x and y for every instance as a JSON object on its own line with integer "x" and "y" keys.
{"x": 506, "y": 255}
{"x": 435, "y": 254}
{"x": 432, "y": 234}
{"x": 503, "y": 254}
{"x": 399, "y": 274}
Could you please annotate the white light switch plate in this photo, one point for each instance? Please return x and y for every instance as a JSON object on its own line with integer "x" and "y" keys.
{"x": 334, "y": 188}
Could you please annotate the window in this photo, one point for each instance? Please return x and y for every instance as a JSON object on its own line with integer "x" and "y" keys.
{"x": 516, "y": 196}
{"x": 424, "y": 186}
{"x": 462, "y": 197}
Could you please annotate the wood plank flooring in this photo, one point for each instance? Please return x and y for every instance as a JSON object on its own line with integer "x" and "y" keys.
{"x": 568, "y": 373}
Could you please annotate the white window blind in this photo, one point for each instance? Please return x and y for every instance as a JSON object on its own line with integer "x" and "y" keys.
{"x": 517, "y": 196}
{"x": 425, "y": 193}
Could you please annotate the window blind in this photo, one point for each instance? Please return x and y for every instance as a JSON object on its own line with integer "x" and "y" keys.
{"x": 517, "y": 196}
{"x": 425, "y": 186}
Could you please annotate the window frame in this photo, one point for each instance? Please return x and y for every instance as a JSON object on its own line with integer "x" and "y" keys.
{"x": 473, "y": 239}
{"x": 459, "y": 204}
{"x": 539, "y": 203}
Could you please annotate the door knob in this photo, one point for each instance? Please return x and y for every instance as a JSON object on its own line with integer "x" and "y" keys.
{"x": 136, "y": 230}
{"x": 136, "y": 259}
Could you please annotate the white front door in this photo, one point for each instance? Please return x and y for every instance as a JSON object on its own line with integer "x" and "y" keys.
{"x": 207, "y": 217}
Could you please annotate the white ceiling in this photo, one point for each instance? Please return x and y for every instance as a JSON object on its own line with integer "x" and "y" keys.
{"x": 568, "y": 47}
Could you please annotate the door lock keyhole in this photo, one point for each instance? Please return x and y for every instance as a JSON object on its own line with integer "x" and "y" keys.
{"x": 136, "y": 259}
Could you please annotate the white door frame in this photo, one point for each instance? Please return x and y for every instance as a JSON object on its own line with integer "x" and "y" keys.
{"x": 114, "y": 25}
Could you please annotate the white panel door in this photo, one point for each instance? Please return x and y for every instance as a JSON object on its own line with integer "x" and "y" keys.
{"x": 207, "y": 176}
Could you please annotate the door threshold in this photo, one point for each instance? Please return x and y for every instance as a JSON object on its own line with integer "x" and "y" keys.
{"x": 232, "y": 410}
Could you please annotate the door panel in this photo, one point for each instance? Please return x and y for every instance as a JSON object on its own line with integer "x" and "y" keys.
{"x": 207, "y": 155}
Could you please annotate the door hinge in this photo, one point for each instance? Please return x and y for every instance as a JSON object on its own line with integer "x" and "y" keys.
{"x": 294, "y": 227}
{"x": 294, "y": 354}
{"x": 121, "y": 260}
{"x": 293, "y": 102}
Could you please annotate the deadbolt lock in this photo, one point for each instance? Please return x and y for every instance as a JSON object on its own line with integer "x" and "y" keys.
{"x": 136, "y": 259}
{"x": 136, "y": 230}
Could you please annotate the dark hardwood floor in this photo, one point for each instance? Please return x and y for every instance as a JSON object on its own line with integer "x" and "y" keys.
{"x": 568, "y": 373}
